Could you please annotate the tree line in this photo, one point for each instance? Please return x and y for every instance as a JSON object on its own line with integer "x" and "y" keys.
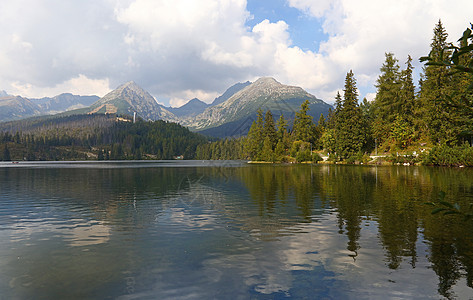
{"x": 436, "y": 115}
{"x": 101, "y": 137}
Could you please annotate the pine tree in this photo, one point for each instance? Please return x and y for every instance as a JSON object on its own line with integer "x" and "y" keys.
{"x": 254, "y": 140}
{"x": 269, "y": 129}
{"x": 303, "y": 129}
{"x": 267, "y": 153}
{"x": 284, "y": 138}
{"x": 401, "y": 129}
{"x": 338, "y": 103}
{"x": 282, "y": 127}
{"x": 387, "y": 102}
{"x": 321, "y": 122}
{"x": 350, "y": 128}
{"x": 438, "y": 117}
{"x": 407, "y": 96}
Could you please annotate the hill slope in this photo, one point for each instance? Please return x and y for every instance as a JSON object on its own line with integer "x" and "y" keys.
{"x": 79, "y": 137}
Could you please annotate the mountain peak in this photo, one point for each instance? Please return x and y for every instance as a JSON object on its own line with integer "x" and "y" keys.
{"x": 265, "y": 93}
{"x": 130, "y": 85}
{"x": 267, "y": 80}
{"x": 230, "y": 92}
{"x": 128, "y": 98}
{"x": 4, "y": 94}
{"x": 195, "y": 100}
{"x": 190, "y": 109}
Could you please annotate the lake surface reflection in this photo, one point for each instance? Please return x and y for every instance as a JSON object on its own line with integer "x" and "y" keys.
{"x": 228, "y": 230}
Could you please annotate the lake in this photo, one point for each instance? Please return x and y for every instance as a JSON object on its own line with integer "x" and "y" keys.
{"x": 229, "y": 230}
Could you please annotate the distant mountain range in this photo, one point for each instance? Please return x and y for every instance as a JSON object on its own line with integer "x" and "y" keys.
{"x": 64, "y": 102}
{"x": 17, "y": 107}
{"x": 230, "y": 114}
{"x": 190, "y": 109}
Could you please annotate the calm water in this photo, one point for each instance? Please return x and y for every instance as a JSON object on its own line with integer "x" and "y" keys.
{"x": 225, "y": 230}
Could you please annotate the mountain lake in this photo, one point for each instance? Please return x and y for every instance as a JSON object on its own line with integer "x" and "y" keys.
{"x": 231, "y": 230}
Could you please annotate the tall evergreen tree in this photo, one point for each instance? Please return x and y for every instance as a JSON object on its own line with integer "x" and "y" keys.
{"x": 387, "y": 102}
{"x": 407, "y": 96}
{"x": 440, "y": 119}
{"x": 267, "y": 153}
{"x": 282, "y": 127}
{"x": 284, "y": 138}
{"x": 338, "y": 102}
{"x": 254, "y": 140}
{"x": 269, "y": 129}
{"x": 350, "y": 128}
{"x": 303, "y": 129}
{"x": 388, "y": 84}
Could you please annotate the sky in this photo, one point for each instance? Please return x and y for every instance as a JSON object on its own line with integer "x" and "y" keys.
{"x": 181, "y": 49}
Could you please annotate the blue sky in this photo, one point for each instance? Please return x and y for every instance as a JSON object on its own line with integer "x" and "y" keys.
{"x": 305, "y": 30}
{"x": 182, "y": 49}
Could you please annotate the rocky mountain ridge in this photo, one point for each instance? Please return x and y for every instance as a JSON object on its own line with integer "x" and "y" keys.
{"x": 267, "y": 94}
{"x": 129, "y": 98}
{"x": 234, "y": 110}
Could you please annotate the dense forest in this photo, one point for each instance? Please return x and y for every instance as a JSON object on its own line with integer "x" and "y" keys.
{"x": 96, "y": 137}
{"x": 431, "y": 123}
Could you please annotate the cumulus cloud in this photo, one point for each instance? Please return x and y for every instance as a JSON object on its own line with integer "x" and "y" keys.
{"x": 360, "y": 32}
{"x": 180, "y": 98}
{"x": 80, "y": 85}
{"x": 181, "y": 49}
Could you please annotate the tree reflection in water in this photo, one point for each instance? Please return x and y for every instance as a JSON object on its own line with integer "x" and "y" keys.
{"x": 393, "y": 197}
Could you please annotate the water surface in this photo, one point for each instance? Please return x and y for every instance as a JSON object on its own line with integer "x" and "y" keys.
{"x": 228, "y": 230}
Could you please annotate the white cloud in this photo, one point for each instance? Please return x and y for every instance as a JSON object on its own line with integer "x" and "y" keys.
{"x": 80, "y": 85}
{"x": 181, "y": 98}
{"x": 360, "y": 32}
{"x": 370, "y": 96}
{"x": 174, "y": 48}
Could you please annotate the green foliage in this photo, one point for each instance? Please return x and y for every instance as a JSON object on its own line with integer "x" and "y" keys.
{"x": 442, "y": 121}
{"x": 226, "y": 149}
{"x": 444, "y": 155}
{"x": 388, "y": 84}
{"x": 409, "y": 158}
{"x": 254, "y": 141}
{"x": 350, "y": 126}
{"x": 267, "y": 153}
{"x": 266, "y": 143}
{"x": 269, "y": 130}
{"x": 328, "y": 140}
{"x": 303, "y": 129}
{"x": 393, "y": 106}
{"x": 402, "y": 132}
{"x": 299, "y": 146}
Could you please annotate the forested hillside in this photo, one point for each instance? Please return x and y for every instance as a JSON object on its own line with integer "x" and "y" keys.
{"x": 95, "y": 137}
